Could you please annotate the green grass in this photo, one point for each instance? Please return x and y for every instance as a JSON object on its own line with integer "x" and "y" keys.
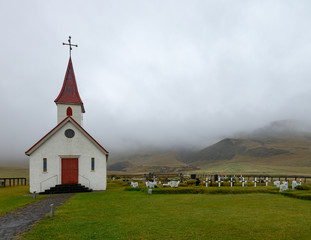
{"x": 13, "y": 197}
{"x": 118, "y": 214}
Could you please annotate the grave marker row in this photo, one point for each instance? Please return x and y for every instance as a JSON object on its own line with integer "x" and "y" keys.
{"x": 220, "y": 180}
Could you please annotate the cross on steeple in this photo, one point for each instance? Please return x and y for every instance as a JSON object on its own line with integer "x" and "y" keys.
{"x": 70, "y": 45}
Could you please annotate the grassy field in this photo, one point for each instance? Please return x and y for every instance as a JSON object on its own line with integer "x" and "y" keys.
{"x": 14, "y": 197}
{"x": 118, "y": 214}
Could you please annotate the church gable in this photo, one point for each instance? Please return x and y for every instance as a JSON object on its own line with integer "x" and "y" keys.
{"x": 68, "y": 142}
{"x": 68, "y": 132}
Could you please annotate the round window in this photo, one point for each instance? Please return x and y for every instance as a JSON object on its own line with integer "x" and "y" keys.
{"x": 69, "y": 133}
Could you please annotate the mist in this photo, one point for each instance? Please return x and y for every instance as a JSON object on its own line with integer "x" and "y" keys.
{"x": 154, "y": 73}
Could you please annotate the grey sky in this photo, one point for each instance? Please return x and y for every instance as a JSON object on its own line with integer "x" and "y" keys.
{"x": 154, "y": 72}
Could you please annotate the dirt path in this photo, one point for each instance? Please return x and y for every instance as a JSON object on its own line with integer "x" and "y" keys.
{"x": 21, "y": 220}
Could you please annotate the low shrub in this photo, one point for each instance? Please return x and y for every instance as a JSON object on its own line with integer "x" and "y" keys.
{"x": 303, "y": 187}
{"x": 124, "y": 184}
{"x": 222, "y": 190}
{"x": 178, "y": 190}
{"x": 131, "y": 189}
{"x": 226, "y": 184}
{"x": 210, "y": 190}
{"x": 305, "y": 195}
{"x": 182, "y": 185}
{"x": 191, "y": 182}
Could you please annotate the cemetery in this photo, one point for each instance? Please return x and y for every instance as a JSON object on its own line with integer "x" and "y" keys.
{"x": 156, "y": 182}
{"x": 290, "y": 186}
{"x": 121, "y": 213}
{"x": 185, "y": 206}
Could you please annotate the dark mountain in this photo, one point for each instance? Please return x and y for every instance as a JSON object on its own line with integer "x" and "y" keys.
{"x": 224, "y": 150}
{"x": 120, "y": 166}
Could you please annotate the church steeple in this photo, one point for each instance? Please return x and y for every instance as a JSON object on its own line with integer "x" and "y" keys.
{"x": 68, "y": 101}
{"x": 69, "y": 92}
{"x": 69, "y": 97}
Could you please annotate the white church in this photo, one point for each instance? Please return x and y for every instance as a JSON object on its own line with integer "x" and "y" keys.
{"x": 68, "y": 155}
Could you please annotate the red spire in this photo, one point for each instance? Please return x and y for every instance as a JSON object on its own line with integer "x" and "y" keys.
{"x": 69, "y": 92}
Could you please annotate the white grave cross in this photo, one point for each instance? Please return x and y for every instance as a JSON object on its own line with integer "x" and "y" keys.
{"x": 231, "y": 181}
{"x": 243, "y": 181}
{"x": 267, "y": 181}
{"x": 255, "y": 181}
{"x": 219, "y": 181}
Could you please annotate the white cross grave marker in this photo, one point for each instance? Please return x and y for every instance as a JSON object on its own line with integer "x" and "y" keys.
{"x": 267, "y": 181}
{"x": 255, "y": 181}
{"x": 231, "y": 181}
{"x": 219, "y": 181}
{"x": 243, "y": 181}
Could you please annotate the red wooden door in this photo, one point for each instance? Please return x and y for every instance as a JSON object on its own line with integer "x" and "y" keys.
{"x": 69, "y": 170}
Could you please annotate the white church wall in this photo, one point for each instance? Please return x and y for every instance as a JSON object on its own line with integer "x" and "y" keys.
{"x": 77, "y": 114}
{"x": 59, "y": 146}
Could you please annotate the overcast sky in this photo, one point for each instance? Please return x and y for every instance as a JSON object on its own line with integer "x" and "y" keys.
{"x": 158, "y": 72}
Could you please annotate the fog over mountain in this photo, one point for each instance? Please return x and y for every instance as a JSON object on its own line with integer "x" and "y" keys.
{"x": 154, "y": 73}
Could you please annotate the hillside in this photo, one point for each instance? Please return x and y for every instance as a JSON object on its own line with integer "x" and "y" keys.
{"x": 269, "y": 155}
{"x": 281, "y": 147}
{"x": 150, "y": 161}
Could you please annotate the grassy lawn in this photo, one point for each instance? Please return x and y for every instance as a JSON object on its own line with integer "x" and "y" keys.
{"x": 118, "y": 214}
{"x": 12, "y": 198}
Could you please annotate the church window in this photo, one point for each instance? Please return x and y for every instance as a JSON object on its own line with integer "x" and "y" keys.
{"x": 69, "y": 133}
{"x": 45, "y": 165}
{"x": 69, "y": 111}
{"x": 93, "y": 164}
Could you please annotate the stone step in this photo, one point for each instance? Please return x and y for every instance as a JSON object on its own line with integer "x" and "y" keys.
{"x": 67, "y": 188}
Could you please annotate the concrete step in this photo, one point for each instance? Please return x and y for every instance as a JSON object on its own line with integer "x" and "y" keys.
{"x": 67, "y": 188}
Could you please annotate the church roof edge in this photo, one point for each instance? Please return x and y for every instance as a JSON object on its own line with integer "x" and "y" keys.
{"x": 58, "y": 126}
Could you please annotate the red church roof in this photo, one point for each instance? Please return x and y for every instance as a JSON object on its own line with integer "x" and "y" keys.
{"x": 69, "y": 92}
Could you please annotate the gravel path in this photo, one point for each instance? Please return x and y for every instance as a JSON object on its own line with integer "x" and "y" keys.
{"x": 21, "y": 220}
